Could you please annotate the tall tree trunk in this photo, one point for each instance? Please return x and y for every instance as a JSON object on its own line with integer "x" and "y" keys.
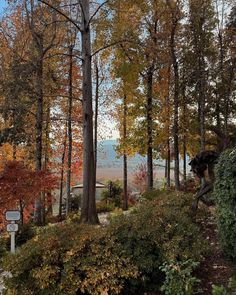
{"x": 62, "y": 174}
{"x": 176, "y": 101}
{"x": 229, "y": 85}
{"x": 69, "y": 132}
{"x": 31, "y": 11}
{"x": 220, "y": 95}
{"x": 88, "y": 210}
{"x": 184, "y": 160}
{"x": 184, "y": 122}
{"x": 39, "y": 129}
{"x": 218, "y": 120}
{"x": 46, "y": 160}
{"x": 47, "y": 139}
{"x": 125, "y": 172}
{"x": 168, "y": 163}
{"x": 96, "y": 119}
{"x": 168, "y": 129}
{"x": 149, "y": 129}
{"x": 21, "y": 212}
{"x": 202, "y": 114}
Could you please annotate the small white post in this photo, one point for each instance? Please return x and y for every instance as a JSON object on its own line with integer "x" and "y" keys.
{"x": 12, "y": 227}
{"x": 13, "y": 247}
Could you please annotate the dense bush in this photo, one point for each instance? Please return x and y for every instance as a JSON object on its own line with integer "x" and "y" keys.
{"x": 25, "y": 233}
{"x": 75, "y": 203}
{"x": 122, "y": 258}
{"x": 156, "y": 232}
{"x": 3, "y": 246}
{"x": 179, "y": 278}
{"x": 68, "y": 259}
{"x": 103, "y": 206}
{"x": 230, "y": 290}
{"x": 113, "y": 193}
{"x": 225, "y": 198}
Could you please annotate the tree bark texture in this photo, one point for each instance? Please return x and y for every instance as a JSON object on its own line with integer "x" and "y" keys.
{"x": 39, "y": 127}
{"x": 168, "y": 180}
{"x": 62, "y": 174}
{"x": 88, "y": 210}
{"x": 96, "y": 119}
{"x": 125, "y": 171}
{"x": 176, "y": 101}
{"x": 149, "y": 107}
{"x": 69, "y": 131}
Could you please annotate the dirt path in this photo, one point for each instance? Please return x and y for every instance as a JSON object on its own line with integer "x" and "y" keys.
{"x": 215, "y": 269}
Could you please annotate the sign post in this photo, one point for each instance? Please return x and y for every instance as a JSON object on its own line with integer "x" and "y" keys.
{"x": 12, "y": 227}
{"x": 13, "y": 242}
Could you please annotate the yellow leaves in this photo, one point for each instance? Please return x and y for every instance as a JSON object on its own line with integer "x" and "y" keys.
{"x": 36, "y": 238}
{"x": 104, "y": 292}
{"x": 70, "y": 253}
{"x": 6, "y": 154}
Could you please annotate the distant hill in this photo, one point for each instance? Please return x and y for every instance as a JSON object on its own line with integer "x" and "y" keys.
{"x": 108, "y": 158}
{"x": 110, "y": 165}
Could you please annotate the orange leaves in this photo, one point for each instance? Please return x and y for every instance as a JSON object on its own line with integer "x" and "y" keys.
{"x": 20, "y": 186}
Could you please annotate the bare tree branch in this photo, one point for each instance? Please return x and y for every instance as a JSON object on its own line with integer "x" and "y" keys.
{"x": 109, "y": 45}
{"x": 96, "y": 11}
{"x": 63, "y": 54}
{"x": 61, "y": 13}
{"x": 64, "y": 96}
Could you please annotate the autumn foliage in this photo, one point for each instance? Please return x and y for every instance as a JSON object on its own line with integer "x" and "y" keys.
{"x": 140, "y": 177}
{"x": 20, "y": 186}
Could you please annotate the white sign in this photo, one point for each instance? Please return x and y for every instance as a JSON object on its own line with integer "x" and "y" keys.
{"x": 12, "y": 215}
{"x": 12, "y": 227}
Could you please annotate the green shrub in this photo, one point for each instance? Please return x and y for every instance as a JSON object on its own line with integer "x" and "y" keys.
{"x": 68, "y": 259}
{"x": 220, "y": 290}
{"x": 179, "y": 279}
{"x": 153, "y": 194}
{"x": 50, "y": 218}
{"x": 225, "y": 198}
{"x": 25, "y": 233}
{"x": 102, "y": 207}
{"x": 3, "y": 246}
{"x": 75, "y": 203}
{"x": 113, "y": 193}
{"x": 73, "y": 217}
{"x": 156, "y": 232}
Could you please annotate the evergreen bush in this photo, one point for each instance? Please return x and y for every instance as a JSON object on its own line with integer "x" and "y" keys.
{"x": 3, "y": 247}
{"x": 225, "y": 199}
{"x": 156, "y": 232}
{"x": 25, "y": 233}
{"x": 179, "y": 278}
